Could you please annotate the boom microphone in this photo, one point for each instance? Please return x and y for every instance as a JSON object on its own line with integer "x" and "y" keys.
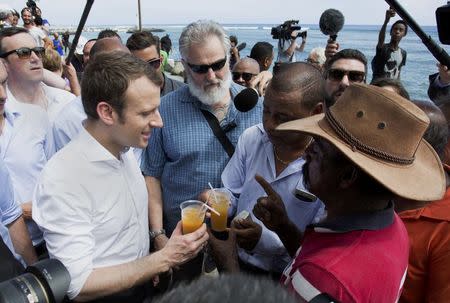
{"x": 246, "y": 99}
{"x": 331, "y": 22}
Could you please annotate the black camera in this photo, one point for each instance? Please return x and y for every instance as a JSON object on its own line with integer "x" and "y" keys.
{"x": 284, "y": 31}
{"x": 443, "y": 23}
{"x": 45, "y": 281}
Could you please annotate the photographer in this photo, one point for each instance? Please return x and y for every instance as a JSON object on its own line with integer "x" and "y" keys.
{"x": 288, "y": 47}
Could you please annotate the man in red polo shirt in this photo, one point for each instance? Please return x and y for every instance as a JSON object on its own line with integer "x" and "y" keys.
{"x": 368, "y": 149}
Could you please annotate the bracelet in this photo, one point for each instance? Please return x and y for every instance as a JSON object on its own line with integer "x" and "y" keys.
{"x": 155, "y": 233}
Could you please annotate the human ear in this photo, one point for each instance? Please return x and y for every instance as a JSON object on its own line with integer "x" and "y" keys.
{"x": 105, "y": 112}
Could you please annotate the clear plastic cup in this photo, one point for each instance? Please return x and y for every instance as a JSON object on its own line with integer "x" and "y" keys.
{"x": 192, "y": 215}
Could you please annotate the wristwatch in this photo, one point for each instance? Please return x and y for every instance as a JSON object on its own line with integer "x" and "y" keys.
{"x": 154, "y": 233}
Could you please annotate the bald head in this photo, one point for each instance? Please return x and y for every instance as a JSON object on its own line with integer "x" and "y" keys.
{"x": 437, "y": 131}
{"x": 107, "y": 45}
{"x": 245, "y": 70}
{"x": 298, "y": 77}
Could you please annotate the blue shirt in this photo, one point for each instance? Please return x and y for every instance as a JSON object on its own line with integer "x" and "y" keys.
{"x": 185, "y": 155}
{"x": 254, "y": 155}
{"x": 9, "y": 210}
{"x": 25, "y": 146}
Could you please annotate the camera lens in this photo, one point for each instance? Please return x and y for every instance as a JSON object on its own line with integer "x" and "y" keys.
{"x": 45, "y": 281}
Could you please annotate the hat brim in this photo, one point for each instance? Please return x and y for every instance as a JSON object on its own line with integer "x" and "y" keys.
{"x": 423, "y": 180}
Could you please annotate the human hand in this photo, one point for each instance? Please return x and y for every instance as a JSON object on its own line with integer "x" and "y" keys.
{"x": 26, "y": 210}
{"x": 270, "y": 210}
{"x": 234, "y": 52}
{"x": 69, "y": 71}
{"x": 444, "y": 74}
{"x": 224, "y": 252}
{"x": 390, "y": 13}
{"x": 260, "y": 82}
{"x": 331, "y": 49}
{"x": 181, "y": 248}
{"x": 248, "y": 233}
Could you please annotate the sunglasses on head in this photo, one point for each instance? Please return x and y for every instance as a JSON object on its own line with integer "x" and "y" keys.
{"x": 245, "y": 76}
{"x": 353, "y": 75}
{"x": 155, "y": 63}
{"x": 204, "y": 68}
{"x": 25, "y": 52}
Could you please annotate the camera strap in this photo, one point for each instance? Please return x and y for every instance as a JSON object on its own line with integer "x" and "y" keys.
{"x": 219, "y": 132}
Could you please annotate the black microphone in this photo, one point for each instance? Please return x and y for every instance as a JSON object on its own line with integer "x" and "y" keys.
{"x": 246, "y": 99}
{"x": 241, "y": 46}
{"x": 331, "y": 22}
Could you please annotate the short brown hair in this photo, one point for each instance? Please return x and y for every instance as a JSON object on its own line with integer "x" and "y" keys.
{"x": 141, "y": 40}
{"x": 108, "y": 77}
{"x": 52, "y": 60}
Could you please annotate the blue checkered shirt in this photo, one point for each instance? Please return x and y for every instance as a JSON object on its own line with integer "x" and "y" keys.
{"x": 185, "y": 155}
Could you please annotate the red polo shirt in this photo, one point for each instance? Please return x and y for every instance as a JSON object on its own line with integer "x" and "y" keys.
{"x": 356, "y": 259}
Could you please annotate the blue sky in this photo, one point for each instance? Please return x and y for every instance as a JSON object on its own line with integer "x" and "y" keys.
{"x": 118, "y": 12}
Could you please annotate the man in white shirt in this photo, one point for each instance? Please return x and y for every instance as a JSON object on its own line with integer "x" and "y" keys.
{"x": 91, "y": 200}
{"x": 38, "y": 34}
{"x": 23, "y": 61}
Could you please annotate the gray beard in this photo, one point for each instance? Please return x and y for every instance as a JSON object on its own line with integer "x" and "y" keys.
{"x": 213, "y": 95}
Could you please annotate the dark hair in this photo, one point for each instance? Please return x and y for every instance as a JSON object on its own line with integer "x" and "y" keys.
{"x": 25, "y": 9}
{"x": 234, "y": 39}
{"x": 400, "y": 22}
{"x": 10, "y": 31}
{"x": 299, "y": 76}
{"x": 142, "y": 40}
{"x": 107, "y": 77}
{"x": 348, "y": 53}
{"x": 108, "y": 33}
{"x": 166, "y": 43}
{"x": 395, "y": 83}
{"x": 261, "y": 51}
{"x": 437, "y": 131}
{"x": 229, "y": 288}
{"x": 15, "y": 13}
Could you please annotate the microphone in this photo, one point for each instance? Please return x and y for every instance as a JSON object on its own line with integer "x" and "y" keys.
{"x": 246, "y": 99}
{"x": 241, "y": 46}
{"x": 331, "y": 22}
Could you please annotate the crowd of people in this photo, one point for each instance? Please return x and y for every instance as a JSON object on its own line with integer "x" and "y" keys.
{"x": 339, "y": 190}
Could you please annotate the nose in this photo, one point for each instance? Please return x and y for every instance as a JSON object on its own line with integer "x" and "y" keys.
{"x": 2, "y": 92}
{"x": 156, "y": 121}
{"x": 210, "y": 75}
{"x": 34, "y": 57}
{"x": 345, "y": 82}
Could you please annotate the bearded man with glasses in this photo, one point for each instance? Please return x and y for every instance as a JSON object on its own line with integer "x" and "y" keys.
{"x": 23, "y": 61}
{"x": 184, "y": 155}
{"x": 342, "y": 69}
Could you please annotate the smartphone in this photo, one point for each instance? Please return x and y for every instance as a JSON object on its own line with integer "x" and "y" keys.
{"x": 243, "y": 215}
{"x": 302, "y": 194}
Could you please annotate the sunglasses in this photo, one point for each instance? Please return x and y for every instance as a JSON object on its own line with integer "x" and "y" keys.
{"x": 203, "y": 69}
{"x": 25, "y": 52}
{"x": 155, "y": 63}
{"x": 245, "y": 76}
{"x": 353, "y": 76}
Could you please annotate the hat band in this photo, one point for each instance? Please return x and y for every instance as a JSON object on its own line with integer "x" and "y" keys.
{"x": 358, "y": 145}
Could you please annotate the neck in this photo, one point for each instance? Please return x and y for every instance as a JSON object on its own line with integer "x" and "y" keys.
{"x": 29, "y": 91}
{"x": 394, "y": 44}
{"x": 220, "y": 109}
{"x": 291, "y": 152}
{"x": 102, "y": 133}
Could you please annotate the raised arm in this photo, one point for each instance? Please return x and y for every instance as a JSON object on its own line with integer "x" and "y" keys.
{"x": 382, "y": 35}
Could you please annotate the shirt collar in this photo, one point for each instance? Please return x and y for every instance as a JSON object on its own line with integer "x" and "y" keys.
{"x": 94, "y": 151}
{"x": 368, "y": 221}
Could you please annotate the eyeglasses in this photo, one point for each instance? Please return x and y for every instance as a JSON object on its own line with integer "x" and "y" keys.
{"x": 353, "y": 75}
{"x": 155, "y": 63}
{"x": 203, "y": 69}
{"x": 25, "y": 52}
{"x": 245, "y": 76}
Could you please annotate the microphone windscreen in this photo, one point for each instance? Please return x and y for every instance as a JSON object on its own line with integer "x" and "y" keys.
{"x": 246, "y": 99}
{"x": 331, "y": 22}
{"x": 241, "y": 46}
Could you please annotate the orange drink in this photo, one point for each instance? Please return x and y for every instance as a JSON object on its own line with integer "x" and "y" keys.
{"x": 220, "y": 202}
{"x": 192, "y": 215}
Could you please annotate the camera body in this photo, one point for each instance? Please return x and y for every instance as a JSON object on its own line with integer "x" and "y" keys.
{"x": 443, "y": 23}
{"x": 284, "y": 31}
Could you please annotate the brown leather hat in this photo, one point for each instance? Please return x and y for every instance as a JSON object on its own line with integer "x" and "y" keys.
{"x": 381, "y": 132}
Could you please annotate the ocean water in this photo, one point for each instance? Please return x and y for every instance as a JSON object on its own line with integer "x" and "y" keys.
{"x": 420, "y": 63}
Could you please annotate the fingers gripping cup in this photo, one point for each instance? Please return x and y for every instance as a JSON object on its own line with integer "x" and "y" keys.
{"x": 220, "y": 201}
{"x": 192, "y": 215}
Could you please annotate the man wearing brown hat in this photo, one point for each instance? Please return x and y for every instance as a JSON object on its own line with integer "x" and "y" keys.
{"x": 368, "y": 149}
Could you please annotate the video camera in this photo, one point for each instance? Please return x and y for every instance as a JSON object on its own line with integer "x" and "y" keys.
{"x": 443, "y": 23}
{"x": 284, "y": 31}
{"x": 45, "y": 281}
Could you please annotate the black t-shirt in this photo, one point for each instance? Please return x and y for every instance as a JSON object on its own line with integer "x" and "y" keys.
{"x": 388, "y": 62}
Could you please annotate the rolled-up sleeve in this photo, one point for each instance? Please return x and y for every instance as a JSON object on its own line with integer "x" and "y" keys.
{"x": 65, "y": 219}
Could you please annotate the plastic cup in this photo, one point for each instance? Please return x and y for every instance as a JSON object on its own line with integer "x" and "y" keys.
{"x": 192, "y": 215}
{"x": 220, "y": 202}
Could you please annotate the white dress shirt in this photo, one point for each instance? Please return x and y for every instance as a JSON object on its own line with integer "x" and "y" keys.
{"x": 254, "y": 155}
{"x": 92, "y": 208}
{"x": 57, "y": 99}
{"x": 26, "y": 144}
